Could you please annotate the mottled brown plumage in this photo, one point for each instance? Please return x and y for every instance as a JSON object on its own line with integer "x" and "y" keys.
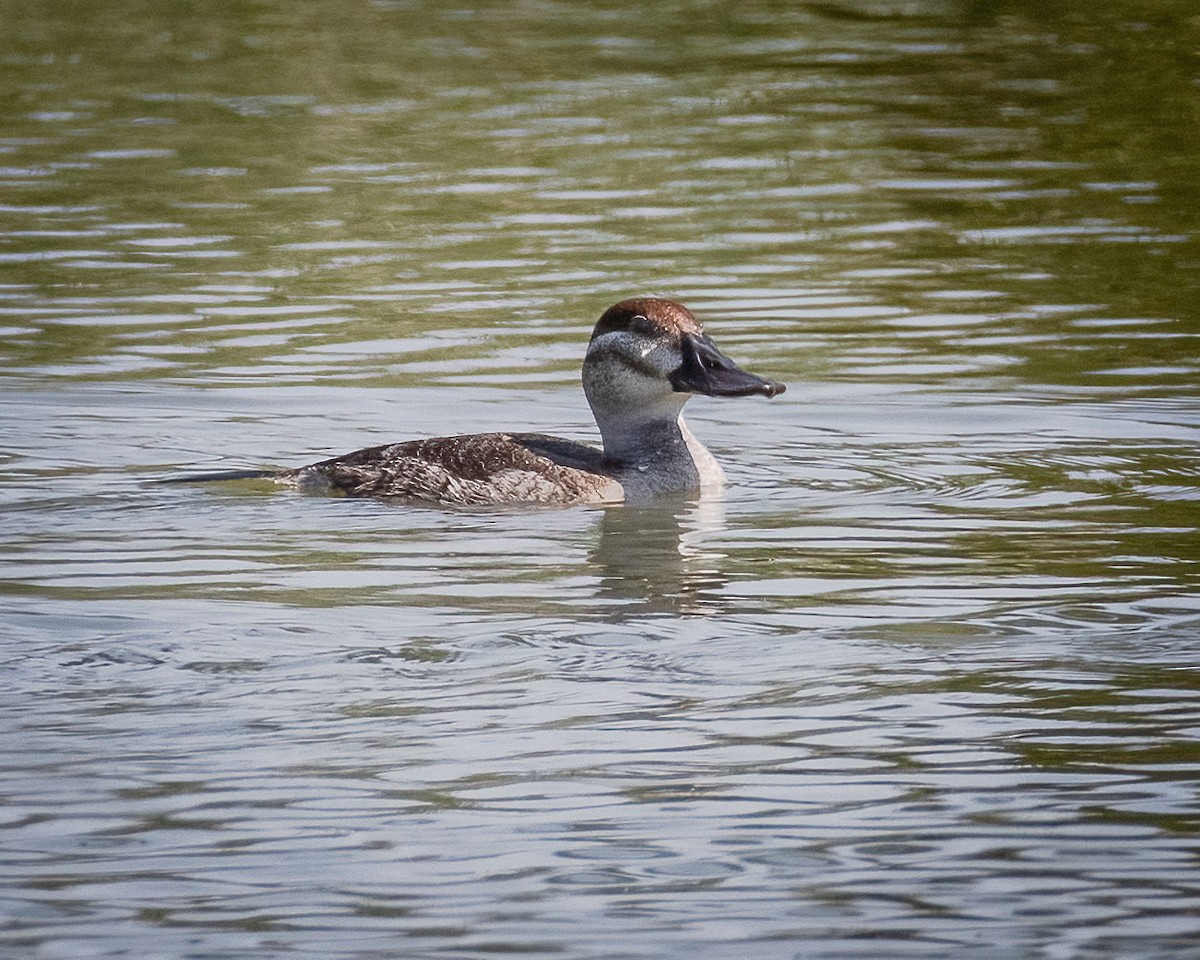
{"x": 481, "y": 468}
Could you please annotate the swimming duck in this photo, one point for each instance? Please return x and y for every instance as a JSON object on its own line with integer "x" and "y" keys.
{"x": 646, "y": 357}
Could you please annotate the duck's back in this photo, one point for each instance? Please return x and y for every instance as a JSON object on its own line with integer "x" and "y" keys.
{"x": 475, "y": 469}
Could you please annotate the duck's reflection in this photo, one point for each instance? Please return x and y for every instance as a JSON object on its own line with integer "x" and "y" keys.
{"x": 653, "y": 558}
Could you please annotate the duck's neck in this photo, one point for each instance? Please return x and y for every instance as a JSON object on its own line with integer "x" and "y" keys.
{"x": 660, "y": 454}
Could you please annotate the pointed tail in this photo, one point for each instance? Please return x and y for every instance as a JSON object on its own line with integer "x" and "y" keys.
{"x": 218, "y": 475}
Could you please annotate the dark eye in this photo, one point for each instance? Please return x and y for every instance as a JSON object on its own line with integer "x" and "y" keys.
{"x": 640, "y": 325}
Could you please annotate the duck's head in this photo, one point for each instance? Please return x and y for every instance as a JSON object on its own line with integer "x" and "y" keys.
{"x": 648, "y": 355}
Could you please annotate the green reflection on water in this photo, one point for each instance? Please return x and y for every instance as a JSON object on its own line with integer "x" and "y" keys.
{"x": 331, "y": 124}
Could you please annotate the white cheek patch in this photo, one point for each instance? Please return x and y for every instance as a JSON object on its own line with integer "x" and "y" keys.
{"x": 649, "y": 357}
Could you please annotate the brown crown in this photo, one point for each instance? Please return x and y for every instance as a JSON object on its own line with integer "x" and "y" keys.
{"x": 673, "y": 319}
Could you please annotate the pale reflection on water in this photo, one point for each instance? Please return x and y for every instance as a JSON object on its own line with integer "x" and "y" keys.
{"x": 660, "y": 559}
{"x": 922, "y": 684}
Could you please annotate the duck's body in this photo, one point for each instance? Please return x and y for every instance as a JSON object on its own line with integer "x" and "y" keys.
{"x": 645, "y": 358}
{"x": 477, "y": 469}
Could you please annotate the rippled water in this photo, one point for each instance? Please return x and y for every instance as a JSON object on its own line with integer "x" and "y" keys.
{"x": 922, "y": 684}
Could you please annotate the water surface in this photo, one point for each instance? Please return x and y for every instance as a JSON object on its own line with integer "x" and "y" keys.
{"x": 922, "y": 684}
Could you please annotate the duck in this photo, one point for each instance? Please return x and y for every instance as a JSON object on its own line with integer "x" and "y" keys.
{"x": 646, "y": 358}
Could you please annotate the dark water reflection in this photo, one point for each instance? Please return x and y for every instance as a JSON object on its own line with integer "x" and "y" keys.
{"x": 923, "y": 684}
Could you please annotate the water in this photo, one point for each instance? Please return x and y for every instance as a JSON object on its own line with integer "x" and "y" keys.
{"x": 922, "y": 684}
